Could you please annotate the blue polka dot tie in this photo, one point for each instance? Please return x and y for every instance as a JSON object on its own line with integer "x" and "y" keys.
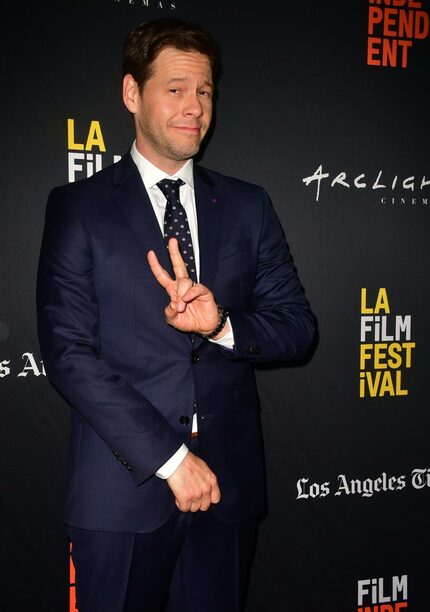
{"x": 176, "y": 223}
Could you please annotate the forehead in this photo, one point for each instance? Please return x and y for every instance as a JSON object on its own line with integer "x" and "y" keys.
{"x": 172, "y": 62}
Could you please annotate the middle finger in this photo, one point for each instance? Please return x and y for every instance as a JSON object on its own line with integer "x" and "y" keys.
{"x": 179, "y": 267}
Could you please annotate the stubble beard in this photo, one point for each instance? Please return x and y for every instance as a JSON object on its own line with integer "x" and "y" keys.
{"x": 165, "y": 147}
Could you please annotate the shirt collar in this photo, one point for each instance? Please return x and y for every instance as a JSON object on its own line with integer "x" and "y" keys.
{"x": 151, "y": 175}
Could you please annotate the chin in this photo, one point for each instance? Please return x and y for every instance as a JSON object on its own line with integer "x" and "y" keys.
{"x": 182, "y": 154}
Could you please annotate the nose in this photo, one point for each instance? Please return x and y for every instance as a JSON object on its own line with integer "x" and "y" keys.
{"x": 193, "y": 105}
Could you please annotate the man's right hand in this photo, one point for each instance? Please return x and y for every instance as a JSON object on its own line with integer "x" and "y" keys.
{"x": 194, "y": 485}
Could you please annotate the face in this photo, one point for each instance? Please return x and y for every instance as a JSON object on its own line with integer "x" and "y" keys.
{"x": 173, "y": 113}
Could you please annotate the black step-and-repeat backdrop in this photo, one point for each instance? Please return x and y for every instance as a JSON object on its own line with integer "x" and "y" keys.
{"x": 326, "y": 105}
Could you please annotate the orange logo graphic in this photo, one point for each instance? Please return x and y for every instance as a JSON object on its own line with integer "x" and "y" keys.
{"x": 393, "y": 26}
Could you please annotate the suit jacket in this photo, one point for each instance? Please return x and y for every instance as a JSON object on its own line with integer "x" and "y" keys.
{"x": 133, "y": 382}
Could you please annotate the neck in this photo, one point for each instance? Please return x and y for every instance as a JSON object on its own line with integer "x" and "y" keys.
{"x": 169, "y": 166}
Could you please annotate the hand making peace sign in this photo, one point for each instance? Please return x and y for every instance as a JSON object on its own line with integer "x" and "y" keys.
{"x": 192, "y": 306}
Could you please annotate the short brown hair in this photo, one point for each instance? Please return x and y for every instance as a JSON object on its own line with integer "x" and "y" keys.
{"x": 143, "y": 45}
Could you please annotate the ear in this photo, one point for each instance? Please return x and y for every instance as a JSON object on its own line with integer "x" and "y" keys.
{"x": 130, "y": 94}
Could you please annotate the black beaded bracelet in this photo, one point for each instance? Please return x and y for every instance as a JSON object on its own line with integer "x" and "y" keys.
{"x": 222, "y": 320}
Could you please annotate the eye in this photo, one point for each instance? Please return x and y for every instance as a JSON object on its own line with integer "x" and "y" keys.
{"x": 174, "y": 90}
{"x": 205, "y": 93}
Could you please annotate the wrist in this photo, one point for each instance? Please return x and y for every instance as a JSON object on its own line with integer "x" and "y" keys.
{"x": 219, "y": 331}
{"x": 172, "y": 464}
{"x": 226, "y": 330}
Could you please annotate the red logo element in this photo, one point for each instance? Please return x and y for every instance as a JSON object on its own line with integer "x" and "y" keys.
{"x": 393, "y": 26}
{"x": 72, "y": 585}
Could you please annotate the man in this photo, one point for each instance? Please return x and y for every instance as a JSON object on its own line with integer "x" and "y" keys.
{"x": 166, "y": 465}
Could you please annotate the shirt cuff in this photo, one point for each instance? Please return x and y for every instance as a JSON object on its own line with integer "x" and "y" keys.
{"x": 226, "y": 341}
{"x": 172, "y": 464}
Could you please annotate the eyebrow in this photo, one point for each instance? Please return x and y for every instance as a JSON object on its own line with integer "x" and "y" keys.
{"x": 182, "y": 79}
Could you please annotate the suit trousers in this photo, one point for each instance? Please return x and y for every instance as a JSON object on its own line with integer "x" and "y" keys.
{"x": 192, "y": 563}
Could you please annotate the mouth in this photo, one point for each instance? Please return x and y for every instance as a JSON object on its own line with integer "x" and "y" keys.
{"x": 187, "y": 129}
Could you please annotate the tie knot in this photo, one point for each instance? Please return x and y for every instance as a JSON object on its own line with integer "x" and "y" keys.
{"x": 170, "y": 188}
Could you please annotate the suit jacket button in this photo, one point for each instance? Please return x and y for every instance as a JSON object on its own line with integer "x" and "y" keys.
{"x": 184, "y": 420}
{"x": 249, "y": 350}
{"x": 194, "y": 357}
{"x": 257, "y": 350}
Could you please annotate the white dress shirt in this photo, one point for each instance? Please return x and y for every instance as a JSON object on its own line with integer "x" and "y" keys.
{"x": 151, "y": 175}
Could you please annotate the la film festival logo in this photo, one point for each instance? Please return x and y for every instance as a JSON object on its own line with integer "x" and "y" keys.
{"x": 393, "y": 28}
{"x": 382, "y": 595}
{"x": 386, "y": 349}
{"x": 86, "y": 150}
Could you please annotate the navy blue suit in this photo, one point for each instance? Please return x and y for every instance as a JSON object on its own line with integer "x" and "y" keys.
{"x": 129, "y": 376}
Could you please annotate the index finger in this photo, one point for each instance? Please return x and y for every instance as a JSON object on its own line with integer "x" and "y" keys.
{"x": 179, "y": 267}
{"x": 158, "y": 271}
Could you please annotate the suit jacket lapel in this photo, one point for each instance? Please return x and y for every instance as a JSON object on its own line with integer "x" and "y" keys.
{"x": 130, "y": 194}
